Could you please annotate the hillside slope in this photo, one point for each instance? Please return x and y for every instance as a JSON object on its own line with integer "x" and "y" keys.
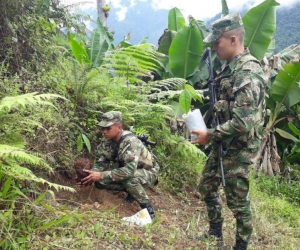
{"x": 179, "y": 217}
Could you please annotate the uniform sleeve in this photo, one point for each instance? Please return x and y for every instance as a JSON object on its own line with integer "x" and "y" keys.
{"x": 129, "y": 153}
{"x": 247, "y": 88}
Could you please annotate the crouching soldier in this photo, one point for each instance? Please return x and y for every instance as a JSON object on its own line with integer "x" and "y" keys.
{"x": 124, "y": 163}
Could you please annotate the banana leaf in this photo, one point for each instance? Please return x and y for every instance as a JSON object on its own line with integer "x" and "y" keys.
{"x": 98, "y": 45}
{"x": 294, "y": 159}
{"x": 199, "y": 76}
{"x": 225, "y": 10}
{"x": 165, "y": 41}
{"x": 286, "y": 135}
{"x": 176, "y": 20}
{"x": 79, "y": 51}
{"x": 285, "y": 88}
{"x": 202, "y": 28}
{"x": 294, "y": 129}
{"x": 185, "y": 51}
{"x": 185, "y": 101}
{"x": 260, "y": 25}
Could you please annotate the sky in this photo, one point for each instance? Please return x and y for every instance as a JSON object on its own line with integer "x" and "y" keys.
{"x": 199, "y": 10}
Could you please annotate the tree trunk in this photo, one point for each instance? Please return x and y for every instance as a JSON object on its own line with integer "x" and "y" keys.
{"x": 268, "y": 159}
{"x": 101, "y": 14}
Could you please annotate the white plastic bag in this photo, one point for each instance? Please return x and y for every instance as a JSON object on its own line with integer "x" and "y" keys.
{"x": 194, "y": 120}
{"x": 141, "y": 218}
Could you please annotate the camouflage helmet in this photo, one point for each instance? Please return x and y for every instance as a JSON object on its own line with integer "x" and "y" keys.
{"x": 110, "y": 118}
{"x": 222, "y": 25}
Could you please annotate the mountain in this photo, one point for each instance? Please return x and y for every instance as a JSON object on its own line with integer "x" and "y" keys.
{"x": 288, "y": 26}
{"x": 143, "y": 21}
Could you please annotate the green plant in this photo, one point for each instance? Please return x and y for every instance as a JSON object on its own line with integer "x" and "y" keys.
{"x": 279, "y": 187}
{"x": 82, "y": 138}
{"x": 186, "y": 47}
{"x": 283, "y": 95}
{"x": 260, "y": 31}
{"x": 12, "y": 157}
{"x": 132, "y": 62}
{"x": 92, "y": 52}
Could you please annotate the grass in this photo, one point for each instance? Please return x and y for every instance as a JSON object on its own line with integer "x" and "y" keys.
{"x": 276, "y": 224}
{"x": 276, "y": 220}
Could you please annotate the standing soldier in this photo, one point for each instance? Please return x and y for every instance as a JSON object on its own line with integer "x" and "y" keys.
{"x": 240, "y": 86}
{"x": 124, "y": 163}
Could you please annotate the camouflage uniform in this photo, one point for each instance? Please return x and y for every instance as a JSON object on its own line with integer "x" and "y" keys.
{"x": 127, "y": 165}
{"x": 241, "y": 86}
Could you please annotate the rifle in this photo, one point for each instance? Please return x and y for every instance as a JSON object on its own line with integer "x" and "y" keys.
{"x": 214, "y": 114}
{"x": 144, "y": 139}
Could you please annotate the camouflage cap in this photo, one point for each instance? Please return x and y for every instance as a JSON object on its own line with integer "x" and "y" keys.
{"x": 222, "y": 25}
{"x": 110, "y": 118}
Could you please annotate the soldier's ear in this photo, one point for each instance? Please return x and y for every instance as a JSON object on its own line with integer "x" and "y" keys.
{"x": 119, "y": 125}
{"x": 233, "y": 39}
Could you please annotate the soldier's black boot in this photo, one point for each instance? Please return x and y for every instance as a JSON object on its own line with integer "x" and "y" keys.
{"x": 149, "y": 208}
{"x": 240, "y": 245}
{"x": 215, "y": 229}
{"x": 129, "y": 198}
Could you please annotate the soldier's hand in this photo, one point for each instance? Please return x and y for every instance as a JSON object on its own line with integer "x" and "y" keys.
{"x": 91, "y": 178}
{"x": 202, "y": 138}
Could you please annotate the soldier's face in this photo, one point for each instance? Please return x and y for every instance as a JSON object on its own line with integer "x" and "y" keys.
{"x": 223, "y": 48}
{"x": 112, "y": 132}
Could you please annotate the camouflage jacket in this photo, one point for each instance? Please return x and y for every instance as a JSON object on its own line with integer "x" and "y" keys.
{"x": 120, "y": 161}
{"x": 241, "y": 91}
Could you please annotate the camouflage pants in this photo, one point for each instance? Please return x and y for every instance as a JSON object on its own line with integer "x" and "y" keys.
{"x": 135, "y": 185}
{"x": 236, "y": 166}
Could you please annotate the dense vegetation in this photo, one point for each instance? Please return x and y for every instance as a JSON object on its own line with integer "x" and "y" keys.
{"x": 54, "y": 85}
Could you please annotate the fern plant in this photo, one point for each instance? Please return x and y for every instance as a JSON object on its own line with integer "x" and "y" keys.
{"x": 14, "y": 159}
{"x": 133, "y": 62}
{"x": 174, "y": 89}
{"x": 166, "y": 88}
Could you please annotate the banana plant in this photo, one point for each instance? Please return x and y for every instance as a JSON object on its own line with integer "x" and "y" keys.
{"x": 283, "y": 95}
{"x": 260, "y": 25}
{"x": 99, "y": 43}
{"x": 92, "y": 53}
{"x": 225, "y": 10}
{"x": 185, "y": 51}
{"x": 176, "y": 22}
{"x": 183, "y": 45}
{"x": 293, "y": 157}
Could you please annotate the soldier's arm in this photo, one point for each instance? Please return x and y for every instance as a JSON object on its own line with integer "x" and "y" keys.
{"x": 244, "y": 109}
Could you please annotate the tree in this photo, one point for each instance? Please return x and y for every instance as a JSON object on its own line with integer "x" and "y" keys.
{"x": 102, "y": 9}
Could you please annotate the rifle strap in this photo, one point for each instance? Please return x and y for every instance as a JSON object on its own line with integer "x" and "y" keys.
{"x": 116, "y": 150}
